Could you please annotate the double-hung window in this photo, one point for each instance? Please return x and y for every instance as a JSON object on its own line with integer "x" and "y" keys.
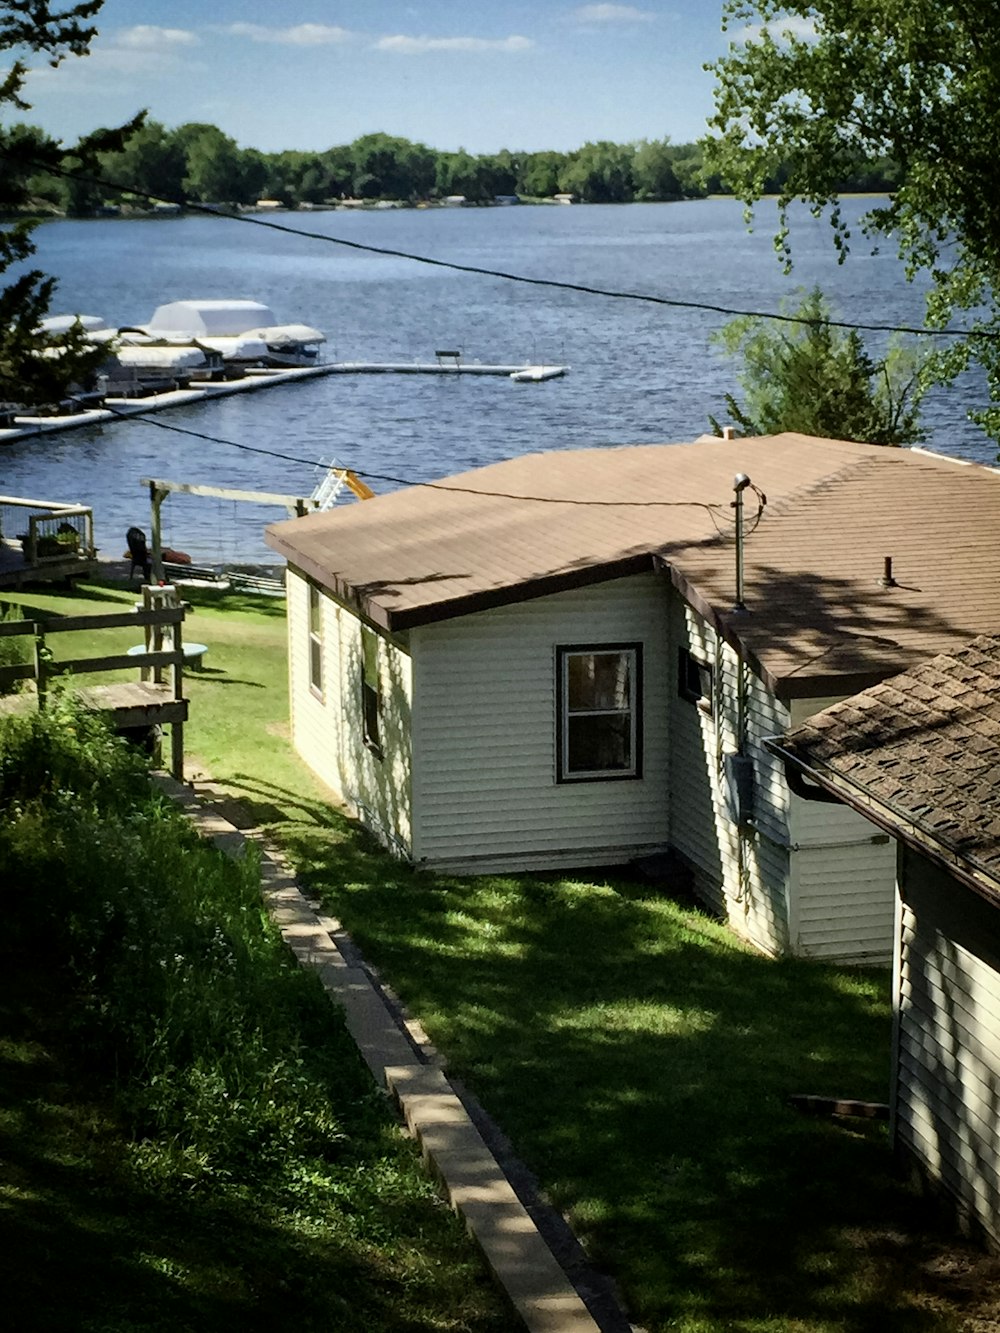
{"x": 315, "y": 641}
{"x": 599, "y": 723}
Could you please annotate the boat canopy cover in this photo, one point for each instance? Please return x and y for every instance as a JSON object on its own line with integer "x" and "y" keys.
{"x": 246, "y": 347}
{"x": 288, "y": 335}
{"x": 63, "y": 323}
{"x": 218, "y": 319}
{"x": 161, "y": 358}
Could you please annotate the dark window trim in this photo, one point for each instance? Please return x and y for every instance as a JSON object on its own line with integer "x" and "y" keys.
{"x": 562, "y": 652}
{"x": 686, "y": 660}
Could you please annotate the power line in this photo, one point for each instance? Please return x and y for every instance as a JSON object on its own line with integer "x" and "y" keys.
{"x": 555, "y": 283}
{"x": 429, "y": 485}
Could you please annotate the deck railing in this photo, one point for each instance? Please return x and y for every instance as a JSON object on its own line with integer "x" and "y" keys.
{"x": 49, "y": 532}
{"x": 160, "y": 618}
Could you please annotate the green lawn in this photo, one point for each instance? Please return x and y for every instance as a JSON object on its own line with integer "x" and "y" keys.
{"x": 638, "y": 1056}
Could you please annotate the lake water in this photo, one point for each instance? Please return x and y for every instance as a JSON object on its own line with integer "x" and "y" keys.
{"x": 639, "y": 373}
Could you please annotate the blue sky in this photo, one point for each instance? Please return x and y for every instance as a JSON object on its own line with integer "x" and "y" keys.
{"x": 450, "y": 73}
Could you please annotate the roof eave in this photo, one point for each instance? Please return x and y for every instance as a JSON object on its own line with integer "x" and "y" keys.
{"x": 395, "y": 621}
{"x": 815, "y": 685}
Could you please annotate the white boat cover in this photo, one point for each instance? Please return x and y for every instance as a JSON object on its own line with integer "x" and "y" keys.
{"x": 244, "y": 348}
{"x": 160, "y": 358}
{"x": 219, "y": 319}
{"x": 288, "y": 335}
{"x": 63, "y": 324}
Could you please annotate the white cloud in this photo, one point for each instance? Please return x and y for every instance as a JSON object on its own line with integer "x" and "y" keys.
{"x": 130, "y": 66}
{"x": 303, "y": 34}
{"x": 146, "y": 37}
{"x": 418, "y": 45}
{"x": 612, "y": 14}
{"x": 794, "y": 27}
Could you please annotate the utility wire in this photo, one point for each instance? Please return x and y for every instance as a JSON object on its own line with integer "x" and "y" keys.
{"x": 583, "y": 288}
{"x": 431, "y": 485}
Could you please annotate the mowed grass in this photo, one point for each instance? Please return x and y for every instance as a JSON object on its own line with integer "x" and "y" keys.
{"x": 638, "y": 1056}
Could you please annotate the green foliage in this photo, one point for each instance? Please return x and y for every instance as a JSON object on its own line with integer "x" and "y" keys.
{"x": 154, "y": 159}
{"x": 215, "y": 170}
{"x": 600, "y": 173}
{"x": 653, "y": 170}
{"x": 234, "y": 1089}
{"x": 387, "y": 167}
{"x": 14, "y": 650}
{"x": 820, "y": 380}
{"x": 813, "y": 89}
{"x": 28, "y": 376}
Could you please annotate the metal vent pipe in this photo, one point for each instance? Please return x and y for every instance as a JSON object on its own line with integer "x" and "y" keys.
{"x": 740, "y": 482}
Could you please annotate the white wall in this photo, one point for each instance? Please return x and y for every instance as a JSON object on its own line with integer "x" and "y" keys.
{"x": 946, "y": 1095}
{"x": 484, "y": 738}
{"x": 328, "y": 732}
{"x": 843, "y": 877}
{"x": 742, "y": 874}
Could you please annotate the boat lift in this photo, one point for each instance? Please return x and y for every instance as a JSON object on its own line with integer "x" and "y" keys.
{"x": 323, "y": 497}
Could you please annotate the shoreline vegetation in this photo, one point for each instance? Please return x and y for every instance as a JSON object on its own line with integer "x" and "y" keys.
{"x": 160, "y": 169}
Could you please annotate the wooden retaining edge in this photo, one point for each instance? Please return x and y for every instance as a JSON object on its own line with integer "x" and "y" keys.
{"x": 452, "y": 1146}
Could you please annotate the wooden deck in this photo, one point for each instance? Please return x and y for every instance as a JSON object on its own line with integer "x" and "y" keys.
{"x": 132, "y": 704}
{"x": 15, "y": 571}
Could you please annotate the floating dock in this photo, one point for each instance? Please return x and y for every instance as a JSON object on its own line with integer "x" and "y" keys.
{"x": 27, "y": 427}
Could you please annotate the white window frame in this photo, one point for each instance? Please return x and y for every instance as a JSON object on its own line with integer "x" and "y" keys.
{"x": 314, "y": 624}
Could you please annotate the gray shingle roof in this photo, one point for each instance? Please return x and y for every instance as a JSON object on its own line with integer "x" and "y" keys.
{"x": 818, "y": 623}
{"x": 924, "y": 747}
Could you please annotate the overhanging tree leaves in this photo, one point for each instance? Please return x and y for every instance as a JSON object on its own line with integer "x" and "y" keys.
{"x": 818, "y": 87}
{"x": 37, "y": 369}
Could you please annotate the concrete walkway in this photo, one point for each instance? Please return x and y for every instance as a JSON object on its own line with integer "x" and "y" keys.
{"x": 402, "y": 1061}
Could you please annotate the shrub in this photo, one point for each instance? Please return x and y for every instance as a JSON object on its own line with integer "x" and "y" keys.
{"x": 14, "y": 651}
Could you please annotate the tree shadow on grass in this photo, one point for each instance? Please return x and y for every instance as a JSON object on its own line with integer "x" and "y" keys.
{"x": 89, "y": 1244}
{"x": 640, "y": 1059}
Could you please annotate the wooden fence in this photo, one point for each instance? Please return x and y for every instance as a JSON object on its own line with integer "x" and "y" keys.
{"x": 149, "y": 701}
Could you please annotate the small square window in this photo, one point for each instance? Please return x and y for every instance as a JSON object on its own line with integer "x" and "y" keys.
{"x": 695, "y": 680}
{"x": 598, "y": 719}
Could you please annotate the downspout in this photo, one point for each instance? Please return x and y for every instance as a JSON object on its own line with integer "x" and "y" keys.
{"x": 740, "y": 483}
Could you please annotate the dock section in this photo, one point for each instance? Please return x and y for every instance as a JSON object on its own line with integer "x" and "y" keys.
{"x": 115, "y": 409}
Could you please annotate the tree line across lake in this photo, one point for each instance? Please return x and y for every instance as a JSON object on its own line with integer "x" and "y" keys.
{"x": 200, "y": 163}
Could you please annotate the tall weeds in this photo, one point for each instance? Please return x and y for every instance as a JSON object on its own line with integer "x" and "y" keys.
{"x": 186, "y": 999}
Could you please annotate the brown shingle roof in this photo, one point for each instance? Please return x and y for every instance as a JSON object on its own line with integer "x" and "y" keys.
{"x": 818, "y": 622}
{"x": 924, "y": 747}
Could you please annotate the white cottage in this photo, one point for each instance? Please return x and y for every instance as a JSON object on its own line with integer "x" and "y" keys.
{"x": 920, "y": 755}
{"x": 539, "y": 664}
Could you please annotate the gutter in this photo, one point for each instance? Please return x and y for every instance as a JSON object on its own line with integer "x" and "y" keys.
{"x": 897, "y": 823}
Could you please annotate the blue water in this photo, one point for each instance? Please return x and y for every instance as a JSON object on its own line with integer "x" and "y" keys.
{"x": 638, "y": 372}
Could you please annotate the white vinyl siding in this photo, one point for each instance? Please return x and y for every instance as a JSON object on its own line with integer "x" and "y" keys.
{"x": 486, "y": 793}
{"x": 741, "y": 874}
{"x": 329, "y": 733}
{"x": 946, "y": 1098}
{"x": 843, "y": 877}
{"x": 315, "y": 721}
